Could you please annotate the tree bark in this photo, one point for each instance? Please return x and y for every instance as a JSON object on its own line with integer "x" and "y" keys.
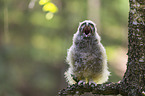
{"x": 133, "y": 82}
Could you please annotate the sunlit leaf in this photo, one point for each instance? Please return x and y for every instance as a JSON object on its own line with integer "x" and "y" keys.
{"x": 50, "y": 7}
{"x": 42, "y": 2}
{"x": 49, "y": 16}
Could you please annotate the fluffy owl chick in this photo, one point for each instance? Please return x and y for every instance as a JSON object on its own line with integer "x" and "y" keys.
{"x": 87, "y": 57}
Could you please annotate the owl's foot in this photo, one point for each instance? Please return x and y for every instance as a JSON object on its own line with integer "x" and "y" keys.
{"x": 81, "y": 82}
{"x": 92, "y": 83}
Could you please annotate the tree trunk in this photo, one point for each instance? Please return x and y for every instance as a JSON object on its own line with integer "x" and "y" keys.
{"x": 95, "y": 5}
{"x": 134, "y": 79}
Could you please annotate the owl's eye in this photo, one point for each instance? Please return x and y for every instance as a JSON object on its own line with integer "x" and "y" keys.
{"x": 82, "y": 27}
{"x": 92, "y": 26}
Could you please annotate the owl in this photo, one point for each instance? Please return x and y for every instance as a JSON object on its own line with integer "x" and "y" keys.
{"x": 86, "y": 57}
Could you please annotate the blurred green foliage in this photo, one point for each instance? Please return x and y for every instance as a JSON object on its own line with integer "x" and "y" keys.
{"x": 32, "y": 63}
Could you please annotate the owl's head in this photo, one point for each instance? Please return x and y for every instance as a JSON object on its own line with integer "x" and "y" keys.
{"x": 87, "y": 28}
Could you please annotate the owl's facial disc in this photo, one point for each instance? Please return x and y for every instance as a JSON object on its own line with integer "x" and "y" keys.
{"x": 87, "y": 29}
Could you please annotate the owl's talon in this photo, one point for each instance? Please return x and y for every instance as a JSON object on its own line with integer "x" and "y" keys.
{"x": 91, "y": 83}
{"x": 81, "y": 82}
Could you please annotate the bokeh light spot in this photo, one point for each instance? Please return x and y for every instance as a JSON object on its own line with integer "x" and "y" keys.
{"x": 49, "y": 16}
{"x": 42, "y": 2}
{"x": 50, "y": 7}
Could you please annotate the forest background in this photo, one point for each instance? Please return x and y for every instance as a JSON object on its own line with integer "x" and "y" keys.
{"x": 33, "y": 49}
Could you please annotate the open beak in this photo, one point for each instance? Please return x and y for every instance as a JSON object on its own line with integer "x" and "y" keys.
{"x": 87, "y": 31}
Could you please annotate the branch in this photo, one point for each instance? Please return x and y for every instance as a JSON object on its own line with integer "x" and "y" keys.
{"x": 104, "y": 89}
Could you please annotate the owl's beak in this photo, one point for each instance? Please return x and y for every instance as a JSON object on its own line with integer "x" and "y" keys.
{"x": 87, "y": 31}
